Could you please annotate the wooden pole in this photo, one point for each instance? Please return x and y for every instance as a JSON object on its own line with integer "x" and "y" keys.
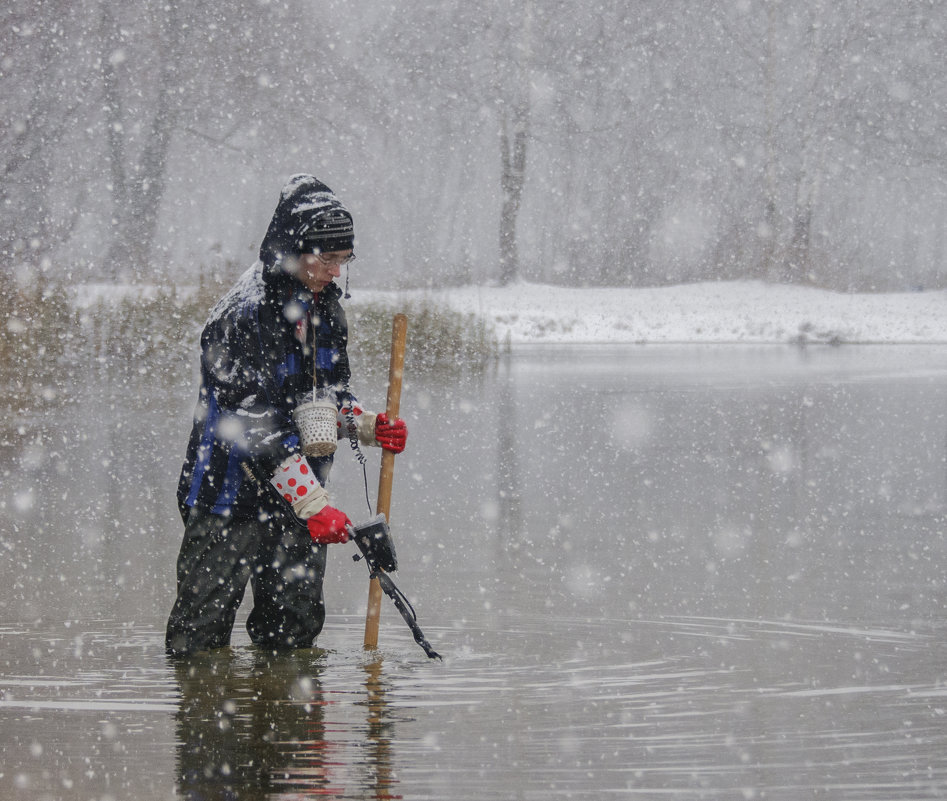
{"x": 399, "y": 332}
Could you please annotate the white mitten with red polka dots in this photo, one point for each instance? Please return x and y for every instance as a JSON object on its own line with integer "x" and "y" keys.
{"x": 295, "y": 480}
{"x": 354, "y": 421}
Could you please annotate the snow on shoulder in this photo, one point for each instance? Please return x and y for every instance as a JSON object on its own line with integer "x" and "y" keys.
{"x": 247, "y": 293}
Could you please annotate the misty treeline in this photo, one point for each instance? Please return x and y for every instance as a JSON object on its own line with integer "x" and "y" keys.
{"x": 600, "y": 142}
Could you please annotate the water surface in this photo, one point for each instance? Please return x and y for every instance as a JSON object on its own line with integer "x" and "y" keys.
{"x": 653, "y": 572}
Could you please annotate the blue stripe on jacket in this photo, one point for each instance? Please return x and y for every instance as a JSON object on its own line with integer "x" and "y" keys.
{"x": 205, "y": 449}
{"x": 326, "y": 357}
{"x": 289, "y": 367}
{"x": 233, "y": 478}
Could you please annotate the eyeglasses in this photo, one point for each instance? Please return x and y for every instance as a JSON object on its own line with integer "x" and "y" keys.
{"x": 339, "y": 261}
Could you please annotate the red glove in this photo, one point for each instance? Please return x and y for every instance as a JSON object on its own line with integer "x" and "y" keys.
{"x": 328, "y": 526}
{"x": 391, "y": 436}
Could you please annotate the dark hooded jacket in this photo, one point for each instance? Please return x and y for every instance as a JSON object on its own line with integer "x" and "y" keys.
{"x": 262, "y": 346}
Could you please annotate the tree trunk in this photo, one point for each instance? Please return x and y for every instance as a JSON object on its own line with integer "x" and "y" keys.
{"x": 138, "y": 189}
{"x": 796, "y": 270}
{"x": 513, "y": 137}
{"x": 514, "y": 133}
{"x": 29, "y": 230}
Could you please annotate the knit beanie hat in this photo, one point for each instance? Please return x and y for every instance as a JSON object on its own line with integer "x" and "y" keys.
{"x": 327, "y": 231}
{"x": 309, "y": 218}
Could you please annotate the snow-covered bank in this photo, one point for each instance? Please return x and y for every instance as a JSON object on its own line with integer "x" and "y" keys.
{"x": 750, "y": 312}
{"x": 728, "y": 312}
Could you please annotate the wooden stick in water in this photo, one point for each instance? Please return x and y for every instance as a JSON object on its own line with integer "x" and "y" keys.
{"x": 399, "y": 332}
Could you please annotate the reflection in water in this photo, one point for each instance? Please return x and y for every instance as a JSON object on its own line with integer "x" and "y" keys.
{"x": 508, "y": 462}
{"x": 380, "y": 733}
{"x": 248, "y": 727}
{"x": 256, "y": 725}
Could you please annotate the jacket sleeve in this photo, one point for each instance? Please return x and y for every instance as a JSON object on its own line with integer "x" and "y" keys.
{"x": 243, "y": 368}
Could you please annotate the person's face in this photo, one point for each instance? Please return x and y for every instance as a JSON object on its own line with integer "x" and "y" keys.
{"x": 316, "y": 271}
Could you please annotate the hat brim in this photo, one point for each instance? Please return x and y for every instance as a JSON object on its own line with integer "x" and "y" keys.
{"x": 327, "y": 244}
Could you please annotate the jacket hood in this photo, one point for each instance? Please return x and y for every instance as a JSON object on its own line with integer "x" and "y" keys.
{"x": 303, "y": 200}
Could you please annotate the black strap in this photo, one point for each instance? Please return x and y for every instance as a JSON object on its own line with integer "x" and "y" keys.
{"x": 407, "y": 611}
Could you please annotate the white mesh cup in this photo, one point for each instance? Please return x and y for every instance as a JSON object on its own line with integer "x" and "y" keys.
{"x": 316, "y": 421}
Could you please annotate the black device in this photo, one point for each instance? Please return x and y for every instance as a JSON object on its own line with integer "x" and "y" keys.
{"x": 374, "y": 541}
{"x": 378, "y": 550}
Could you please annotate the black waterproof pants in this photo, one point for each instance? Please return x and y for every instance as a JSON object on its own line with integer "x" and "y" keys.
{"x": 219, "y": 555}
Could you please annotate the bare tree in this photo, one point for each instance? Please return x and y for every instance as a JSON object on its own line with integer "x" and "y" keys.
{"x": 44, "y": 89}
{"x": 513, "y": 92}
{"x": 638, "y": 142}
{"x": 141, "y": 121}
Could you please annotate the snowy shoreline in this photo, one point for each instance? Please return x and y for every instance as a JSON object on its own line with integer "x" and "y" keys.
{"x": 725, "y": 313}
{"x": 712, "y": 313}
